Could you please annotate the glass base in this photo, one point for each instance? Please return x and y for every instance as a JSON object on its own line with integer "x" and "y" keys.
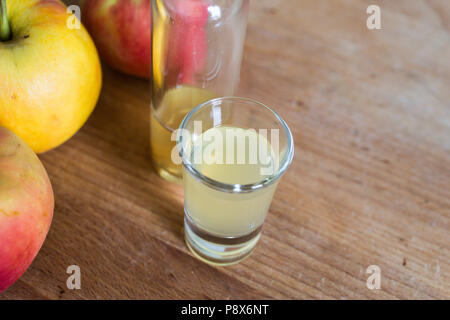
{"x": 167, "y": 175}
{"x": 218, "y": 251}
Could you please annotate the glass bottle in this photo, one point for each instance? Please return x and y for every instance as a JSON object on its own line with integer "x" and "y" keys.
{"x": 197, "y": 50}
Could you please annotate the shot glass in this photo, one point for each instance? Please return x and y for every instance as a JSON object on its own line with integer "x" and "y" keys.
{"x": 234, "y": 152}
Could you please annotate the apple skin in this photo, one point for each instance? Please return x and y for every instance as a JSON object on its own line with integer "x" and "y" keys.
{"x": 26, "y": 207}
{"x": 121, "y": 30}
{"x": 50, "y": 75}
{"x": 188, "y": 41}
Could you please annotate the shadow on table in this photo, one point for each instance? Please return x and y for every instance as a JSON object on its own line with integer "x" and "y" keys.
{"x": 121, "y": 122}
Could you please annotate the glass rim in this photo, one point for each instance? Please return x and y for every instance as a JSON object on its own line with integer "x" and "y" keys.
{"x": 237, "y": 188}
{"x": 237, "y": 6}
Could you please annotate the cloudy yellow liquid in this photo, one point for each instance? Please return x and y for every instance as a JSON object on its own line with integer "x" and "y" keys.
{"x": 225, "y": 214}
{"x": 165, "y": 118}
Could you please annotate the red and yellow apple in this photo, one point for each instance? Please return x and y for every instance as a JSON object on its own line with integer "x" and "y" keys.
{"x": 50, "y": 74}
{"x": 26, "y": 207}
{"x": 122, "y": 31}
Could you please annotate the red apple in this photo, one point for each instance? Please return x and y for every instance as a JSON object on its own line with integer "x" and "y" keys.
{"x": 26, "y": 207}
{"x": 187, "y": 43}
{"x": 121, "y": 30}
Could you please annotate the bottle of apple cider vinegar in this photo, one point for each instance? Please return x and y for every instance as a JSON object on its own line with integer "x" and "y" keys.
{"x": 165, "y": 119}
{"x": 196, "y": 56}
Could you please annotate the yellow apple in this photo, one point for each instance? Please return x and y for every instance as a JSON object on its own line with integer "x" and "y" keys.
{"x": 50, "y": 74}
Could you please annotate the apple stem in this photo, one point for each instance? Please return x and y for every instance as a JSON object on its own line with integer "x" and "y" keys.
{"x": 5, "y": 30}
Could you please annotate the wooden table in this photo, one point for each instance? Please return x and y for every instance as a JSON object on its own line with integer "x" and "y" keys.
{"x": 369, "y": 184}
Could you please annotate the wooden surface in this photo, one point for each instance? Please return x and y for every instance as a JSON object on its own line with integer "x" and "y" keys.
{"x": 369, "y": 184}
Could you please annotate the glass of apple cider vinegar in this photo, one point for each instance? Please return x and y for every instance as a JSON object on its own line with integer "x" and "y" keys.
{"x": 197, "y": 50}
{"x": 234, "y": 152}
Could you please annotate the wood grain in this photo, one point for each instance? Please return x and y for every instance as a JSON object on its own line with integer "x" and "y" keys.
{"x": 369, "y": 184}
